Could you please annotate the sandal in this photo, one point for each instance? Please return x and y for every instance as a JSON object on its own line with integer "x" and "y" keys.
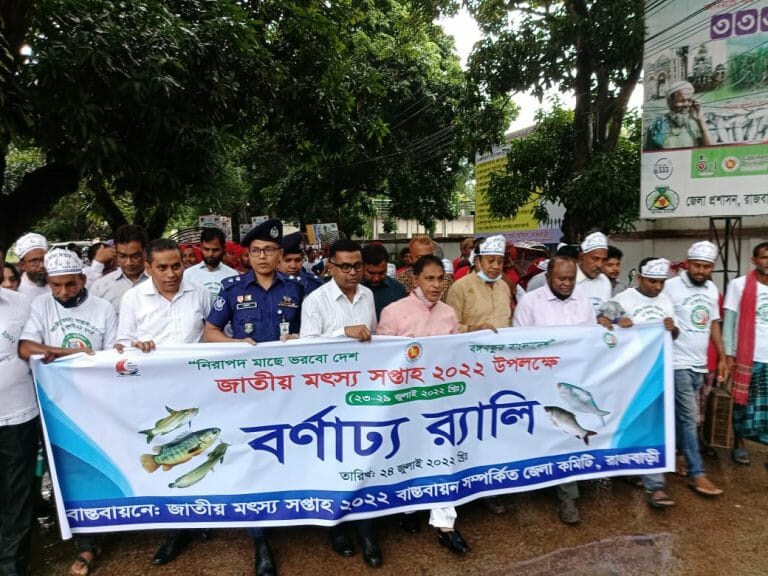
{"x": 88, "y": 564}
{"x": 659, "y": 499}
{"x": 740, "y": 456}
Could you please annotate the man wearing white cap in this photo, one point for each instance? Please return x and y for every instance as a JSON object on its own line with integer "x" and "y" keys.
{"x": 647, "y": 303}
{"x": 590, "y": 280}
{"x": 695, "y": 299}
{"x": 683, "y": 126}
{"x": 31, "y": 249}
{"x": 483, "y": 302}
{"x": 67, "y": 321}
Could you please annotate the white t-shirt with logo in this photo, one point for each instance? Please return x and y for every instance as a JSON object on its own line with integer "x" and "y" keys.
{"x": 210, "y": 279}
{"x": 644, "y": 309}
{"x": 17, "y": 391}
{"x": 696, "y": 307}
{"x": 733, "y": 302}
{"x": 91, "y": 325}
{"x": 595, "y": 290}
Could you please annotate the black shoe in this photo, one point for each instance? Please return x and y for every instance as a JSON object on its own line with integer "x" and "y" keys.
{"x": 453, "y": 541}
{"x": 371, "y": 552}
{"x": 170, "y": 549}
{"x": 264, "y": 564}
{"x": 341, "y": 543}
{"x": 410, "y": 523}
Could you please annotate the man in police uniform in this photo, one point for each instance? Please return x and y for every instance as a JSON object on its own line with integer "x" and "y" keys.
{"x": 262, "y": 306}
{"x": 292, "y": 263}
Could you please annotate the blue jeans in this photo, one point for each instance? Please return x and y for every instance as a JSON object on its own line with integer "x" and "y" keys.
{"x": 687, "y": 384}
{"x": 653, "y": 482}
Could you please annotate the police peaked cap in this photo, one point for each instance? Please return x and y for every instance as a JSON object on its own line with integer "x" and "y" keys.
{"x": 293, "y": 243}
{"x": 270, "y": 231}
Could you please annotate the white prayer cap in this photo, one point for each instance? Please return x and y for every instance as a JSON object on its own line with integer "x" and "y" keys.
{"x": 658, "y": 268}
{"x": 60, "y": 261}
{"x": 594, "y": 241}
{"x": 703, "y": 250}
{"x": 678, "y": 86}
{"x": 448, "y": 265}
{"x": 493, "y": 246}
{"x": 29, "y": 242}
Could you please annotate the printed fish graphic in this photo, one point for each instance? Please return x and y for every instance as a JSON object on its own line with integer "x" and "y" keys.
{"x": 567, "y": 422}
{"x": 175, "y": 419}
{"x": 580, "y": 400}
{"x": 194, "y": 476}
{"x": 180, "y": 451}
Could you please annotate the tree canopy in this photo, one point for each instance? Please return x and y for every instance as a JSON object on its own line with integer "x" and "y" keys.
{"x": 306, "y": 110}
{"x": 593, "y": 50}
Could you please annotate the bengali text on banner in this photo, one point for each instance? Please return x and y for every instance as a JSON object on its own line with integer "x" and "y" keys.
{"x": 326, "y": 431}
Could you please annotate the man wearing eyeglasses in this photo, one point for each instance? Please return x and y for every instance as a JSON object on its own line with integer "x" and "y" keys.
{"x": 130, "y": 242}
{"x": 261, "y": 306}
{"x": 342, "y": 307}
{"x": 31, "y": 249}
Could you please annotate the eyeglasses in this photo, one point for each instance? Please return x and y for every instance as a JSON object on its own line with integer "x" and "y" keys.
{"x": 136, "y": 257}
{"x": 32, "y": 260}
{"x": 347, "y": 268}
{"x": 268, "y": 251}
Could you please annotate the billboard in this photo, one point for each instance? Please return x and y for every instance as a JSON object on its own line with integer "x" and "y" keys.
{"x": 523, "y": 227}
{"x": 705, "y": 113}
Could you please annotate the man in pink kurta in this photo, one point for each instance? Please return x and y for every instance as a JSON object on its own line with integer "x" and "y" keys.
{"x": 411, "y": 316}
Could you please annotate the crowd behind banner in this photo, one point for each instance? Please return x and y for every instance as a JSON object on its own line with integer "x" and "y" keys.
{"x": 150, "y": 295}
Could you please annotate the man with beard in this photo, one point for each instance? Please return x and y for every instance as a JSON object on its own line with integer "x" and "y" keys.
{"x": 696, "y": 302}
{"x": 166, "y": 309}
{"x": 291, "y": 264}
{"x": 31, "y": 249}
{"x": 211, "y": 271}
{"x": 647, "y": 303}
{"x": 590, "y": 280}
{"x": 745, "y": 332}
{"x": 385, "y": 290}
{"x": 69, "y": 321}
{"x": 130, "y": 242}
{"x": 683, "y": 126}
{"x": 558, "y": 303}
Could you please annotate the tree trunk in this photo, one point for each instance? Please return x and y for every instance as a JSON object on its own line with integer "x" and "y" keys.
{"x": 106, "y": 206}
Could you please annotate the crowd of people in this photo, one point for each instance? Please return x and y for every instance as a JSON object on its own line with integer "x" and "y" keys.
{"x": 147, "y": 294}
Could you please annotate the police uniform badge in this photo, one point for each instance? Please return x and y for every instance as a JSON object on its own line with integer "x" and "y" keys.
{"x": 287, "y": 302}
{"x": 219, "y": 304}
{"x": 273, "y": 232}
{"x": 240, "y": 298}
{"x": 248, "y": 327}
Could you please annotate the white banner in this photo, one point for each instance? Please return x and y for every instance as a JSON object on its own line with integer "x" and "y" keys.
{"x": 707, "y": 156}
{"x": 319, "y": 432}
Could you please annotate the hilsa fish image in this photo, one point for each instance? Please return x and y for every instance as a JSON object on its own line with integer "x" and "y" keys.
{"x": 175, "y": 419}
{"x": 215, "y": 456}
{"x": 567, "y": 422}
{"x": 179, "y": 451}
{"x": 580, "y": 400}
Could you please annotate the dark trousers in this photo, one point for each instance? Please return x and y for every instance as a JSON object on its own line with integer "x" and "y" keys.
{"x": 18, "y": 453}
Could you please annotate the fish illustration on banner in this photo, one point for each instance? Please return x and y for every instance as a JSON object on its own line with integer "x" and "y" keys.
{"x": 216, "y": 456}
{"x": 567, "y": 422}
{"x": 179, "y": 451}
{"x": 580, "y": 400}
{"x": 175, "y": 419}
